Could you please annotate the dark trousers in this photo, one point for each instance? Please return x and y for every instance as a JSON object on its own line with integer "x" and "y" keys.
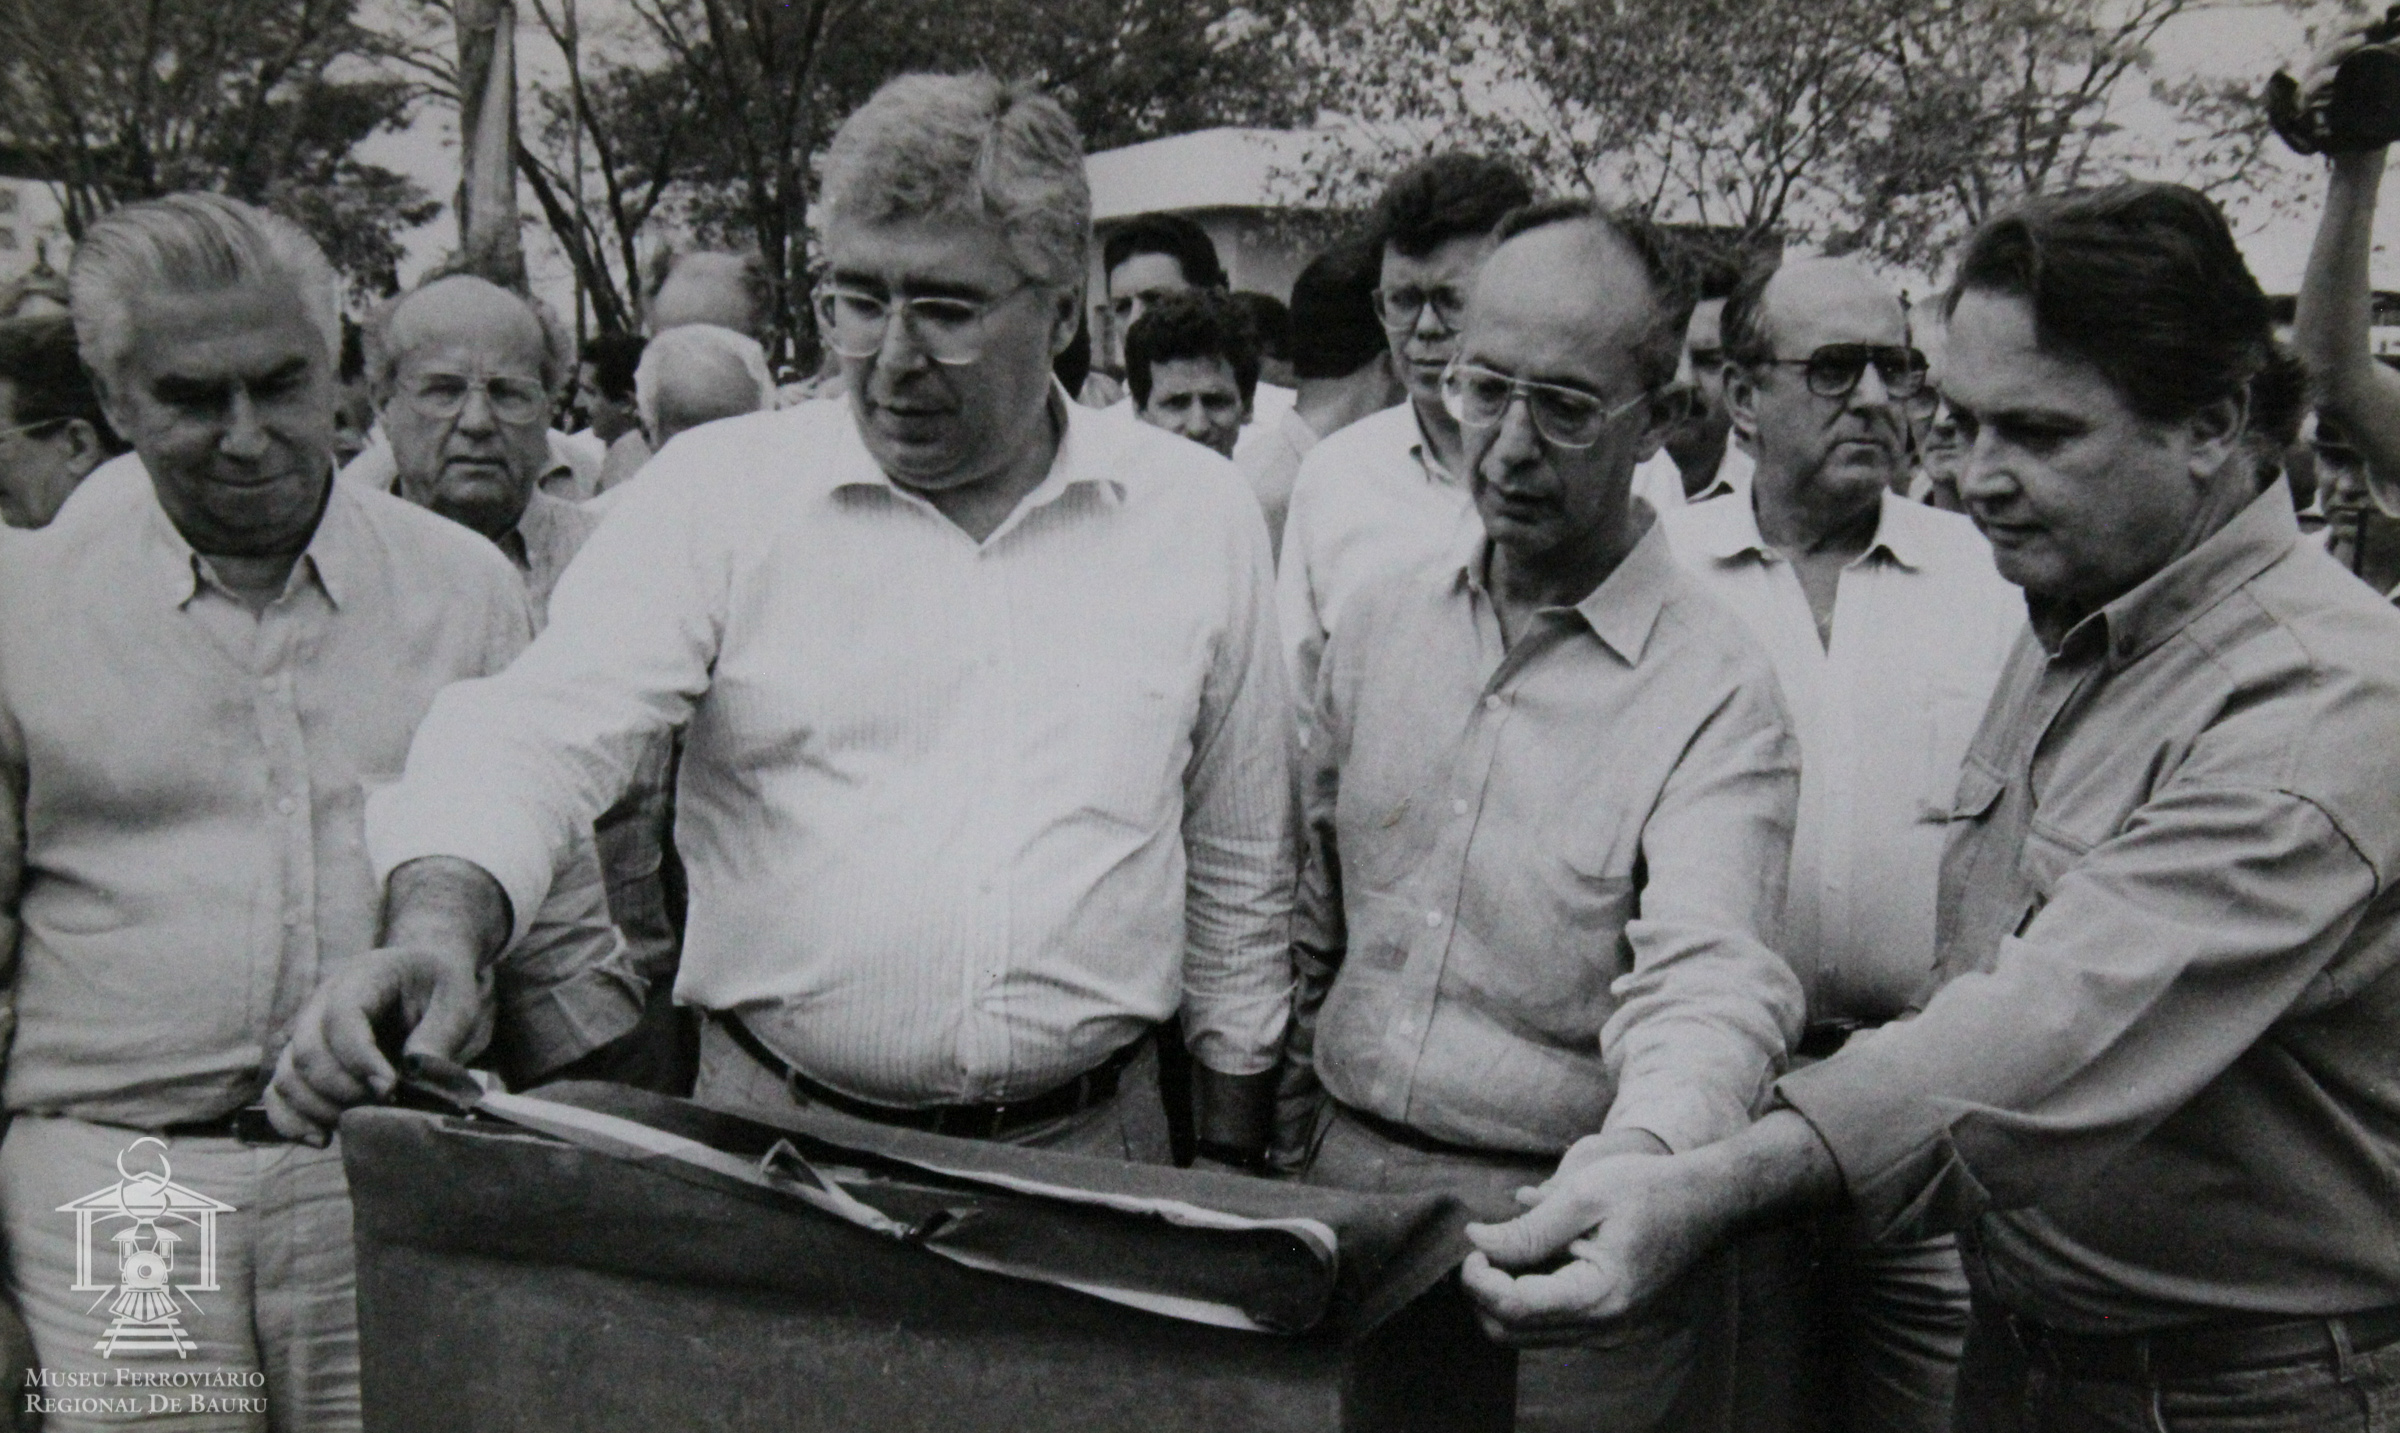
{"x": 2004, "y": 1387}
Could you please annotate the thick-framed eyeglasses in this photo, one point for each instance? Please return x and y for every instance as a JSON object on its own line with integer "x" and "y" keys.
{"x": 1834, "y": 370}
{"x": 949, "y": 330}
{"x": 444, "y": 395}
{"x": 1399, "y": 309}
{"x": 1569, "y": 418}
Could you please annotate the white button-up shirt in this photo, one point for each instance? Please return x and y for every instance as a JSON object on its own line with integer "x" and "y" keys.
{"x": 1922, "y": 623}
{"x": 1370, "y": 499}
{"x": 960, "y": 818}
{"x": 1659, "y": 482}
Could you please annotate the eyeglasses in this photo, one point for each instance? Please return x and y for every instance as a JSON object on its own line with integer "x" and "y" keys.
{"x": 1834, "y": 370}
{"x": 949, "y": 330}
{"x": 444, "y": 395}
{"x": 1706, "y": 358}
{"x": 33, "y": 427}
{"x": 1570, "y": 418}
{"x": 1399, "y": 309}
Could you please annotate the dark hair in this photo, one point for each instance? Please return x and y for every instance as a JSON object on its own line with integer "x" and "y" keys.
{"x": 2279, "y": 398}
{"x": 2142, "y": 281}
{"x": 614, "y": 357}
{"x": 38, "y": 360}
{"x": 1074, "y": 362}
{"x": 1172, "y": 235}
{"x": 1270, "y": 323}
{"x": 1660, "y": 347}
{"x": 1716, "y": 261}
{"x": 1198, "y": 323}
{"x": 1334, "y": 329}
{"x": 1448, "y": 196}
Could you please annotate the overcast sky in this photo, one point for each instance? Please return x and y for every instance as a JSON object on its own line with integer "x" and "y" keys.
{"x": 2245, "y": 40}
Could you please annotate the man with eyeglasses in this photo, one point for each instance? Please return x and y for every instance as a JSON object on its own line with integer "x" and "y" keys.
{"x": 1888, "y": 625}
{"x": 985, "y": 770}
{"x": 462, "y": 373}
{"x": 1388, "y": 491}
{"x": 1547, "y": 790}
{"x": 52, "y": 433}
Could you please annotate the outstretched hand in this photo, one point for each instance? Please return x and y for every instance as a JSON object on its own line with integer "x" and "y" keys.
{"x": 436, "y": 999}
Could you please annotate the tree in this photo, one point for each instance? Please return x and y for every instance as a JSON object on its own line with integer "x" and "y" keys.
{"x": 712, "y": 113}
{"x": 112, "y": 101}
{"x": 1891, "y": 126}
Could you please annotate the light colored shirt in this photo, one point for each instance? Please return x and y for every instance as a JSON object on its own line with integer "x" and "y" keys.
{"x": 1370, "y": 500}
{"x": 573, "y": 474}
{"x": 2160, "y": 1081}
{"x": 1922, "y": 623}
{"x": 1659, "y": 482}
{"x": 181, "y": 851}
{"x": 960, "y": 818}
{"x": 625, "y": 458}
{"x": 1272, "y": 463}
{"x": 543, "y": 542}
{"x": 1544, "y": 879}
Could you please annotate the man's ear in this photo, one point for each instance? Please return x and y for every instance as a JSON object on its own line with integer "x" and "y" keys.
{"x": 1066, "y": 318}
{"x": 85, "y": 451}
{"x": 2216, "y": 431}
{"x": 1741, "y": 401}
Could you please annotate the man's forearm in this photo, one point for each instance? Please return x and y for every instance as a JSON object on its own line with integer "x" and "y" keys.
{"x": 1776, "y": 1168}
{"x": 2335, "y": 308}
{"x": 442, "y": 903}
{"x": 1235, "y": 1112}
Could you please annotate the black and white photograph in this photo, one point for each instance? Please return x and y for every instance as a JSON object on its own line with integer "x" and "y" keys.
{"x": 1199, "y": 716}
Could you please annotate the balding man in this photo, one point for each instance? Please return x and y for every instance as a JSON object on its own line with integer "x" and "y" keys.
{"x": 462, "y": 371}
{"x": 1888, "y": 625}
{"x": 713, "y": 287}
{"x": 985, "y": 775}
{"x": 1549, "y": 792}
{"x": 202, "y": 673}
{"x": 698, "y": 373}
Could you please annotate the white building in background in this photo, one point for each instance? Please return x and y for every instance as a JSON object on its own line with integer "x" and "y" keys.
{"x": 32, "y": 229}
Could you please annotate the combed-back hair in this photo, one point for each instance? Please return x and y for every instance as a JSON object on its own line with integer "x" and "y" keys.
{"x": 1659, "y": 350}
{"x": 1446, "y": 197}
{"x": 1334, "y": 329}
{"x": 190, "y": 243}
{"x": 1173, "y": 235}
{"x": 1196, "y": 323}
{"x": 2143, "y": 281}
{"x": 1742, "y": 328}
{"x": 46, "y": 379}
{"x": 968, "y": 147}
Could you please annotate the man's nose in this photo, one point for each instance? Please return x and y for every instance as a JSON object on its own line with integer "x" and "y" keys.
{"x": 1430, "y": 323}
{"x": 900, "y": 351}
{"x": 1871, "y": 392}
{"x": 475, "y": 413}
{"x": 1984, "y": 471}
{"x": 245, "y": 436}
{"x": 1518, "y": 441}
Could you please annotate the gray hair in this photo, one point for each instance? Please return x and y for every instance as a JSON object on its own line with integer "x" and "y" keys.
{"x": 189, "y": 243}
{"x": 383, "y": 361}
{"x": 968, "y": 147}
{"x": 695, "y": 373}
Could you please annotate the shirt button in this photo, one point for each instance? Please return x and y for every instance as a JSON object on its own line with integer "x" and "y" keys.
{"x": 1458, "y": 806}
{"x": 287, "y": 805}
{"x": 1433, "y": 918}
{"x": 1492, "y": 702}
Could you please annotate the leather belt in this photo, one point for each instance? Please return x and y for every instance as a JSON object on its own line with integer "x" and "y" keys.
{"x": 1092, "y": 1087}
{"x": 248, "y": 1124}
{"x": 2174, "y": 1355}
{"x": 1417, "y": 1139}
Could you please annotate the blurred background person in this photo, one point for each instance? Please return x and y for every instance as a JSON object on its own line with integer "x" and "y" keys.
{"x": 1703, "y": 457}
{"x": 697, "y": 374}
{"x": 604, "y": 391}
{"x": 1342, "y": 367}
{"x": 52, "y": 433}
{"x": 1192, "y": 366}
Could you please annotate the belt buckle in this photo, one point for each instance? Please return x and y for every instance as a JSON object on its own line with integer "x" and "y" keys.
{"x": 251, "y": 1126}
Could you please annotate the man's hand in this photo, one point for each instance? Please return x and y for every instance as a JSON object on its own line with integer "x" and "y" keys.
{"x": 335, "y": 1061}
{"x": 443, "y": 921}
{"x": 1631, "y": 1225}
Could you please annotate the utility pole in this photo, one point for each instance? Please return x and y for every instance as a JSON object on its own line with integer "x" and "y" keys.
{"x": 487, "y": 141}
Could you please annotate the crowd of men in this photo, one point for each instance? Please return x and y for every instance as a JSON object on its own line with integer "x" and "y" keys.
{"x": 1871, "y": 876}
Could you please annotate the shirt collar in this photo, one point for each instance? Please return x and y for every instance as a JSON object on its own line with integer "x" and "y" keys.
{"x": 1087, "y": 442}
{"x": 2179, "y": 593}
{"x": 1727, "y": 531}
{"x": 1622, "y": 611}
{"x": 332, "y": 558}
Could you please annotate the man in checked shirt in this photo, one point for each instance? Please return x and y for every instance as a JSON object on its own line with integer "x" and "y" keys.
{"x": 1549, "y": 792}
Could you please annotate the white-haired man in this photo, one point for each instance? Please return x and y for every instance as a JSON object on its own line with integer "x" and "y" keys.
{"x": 984, "y": 774}
{"x": 201, "y": 673}
{"x": 696, "y": 374}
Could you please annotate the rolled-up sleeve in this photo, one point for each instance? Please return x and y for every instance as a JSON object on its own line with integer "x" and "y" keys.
{"x": 2158, "y": 959}
{"x": 509, "y": 771}
{"x": 1237, "y": 831}
{"x": 1707, "y": 1013}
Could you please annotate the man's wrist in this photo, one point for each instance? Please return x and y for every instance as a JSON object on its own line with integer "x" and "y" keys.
{"x": 1777, "y": 1167}
{"x": 447, "y": 905}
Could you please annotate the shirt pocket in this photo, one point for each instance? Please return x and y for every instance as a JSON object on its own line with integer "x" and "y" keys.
{"x": 1949, "y": 710}
{"x": 2044, "y": 860}
{"x": 1975, "y": 794}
